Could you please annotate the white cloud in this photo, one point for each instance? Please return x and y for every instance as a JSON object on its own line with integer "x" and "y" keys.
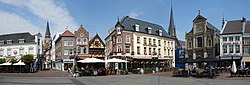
{"x": 55, "y": 12}
{"x": 12, "y": 23}
{"x": 135, "y": 13}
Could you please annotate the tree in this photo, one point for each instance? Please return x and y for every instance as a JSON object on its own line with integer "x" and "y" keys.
{"x": 2, "y": 60}
{"x": 27, "y": 59}
{"x": 13, "y": 61}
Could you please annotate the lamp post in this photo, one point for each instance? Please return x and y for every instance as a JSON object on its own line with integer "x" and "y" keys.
{"x": 75, "y": 57}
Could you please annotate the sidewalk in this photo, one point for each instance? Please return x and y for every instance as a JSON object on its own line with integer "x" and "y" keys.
{"x": 44, "y": 73}
{"x": 225, "y": 76}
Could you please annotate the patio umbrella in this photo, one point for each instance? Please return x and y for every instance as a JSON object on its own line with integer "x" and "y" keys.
{"x": 91, "y": 60}
{"x": 199, "y": 59}
{"x": 233, "y": 69}
{"x": 115, "y": 60}
{"x": 181, "y": 61}
{"x": 19, "y": 64}
{"x": 6, "y": 64}
{"x": 211, "y": 59}
{"x": 190, "y": 60}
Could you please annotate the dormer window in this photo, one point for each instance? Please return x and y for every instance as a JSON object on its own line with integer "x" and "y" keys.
{"x": 1, "y": 42}
{"x": 118, "y": 30}
{"x": 149, "y": 30}
{"x": 160, "y": 32}
{"x": 137, "y": 27}
{"x": 21, "y": 40}
{"x": 9, "y": 41}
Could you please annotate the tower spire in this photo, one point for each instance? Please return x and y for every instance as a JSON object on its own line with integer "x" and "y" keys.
{"x": 171, "y": 29}
{"x": 223, "y": 22}
{"x": 47, "y": 32}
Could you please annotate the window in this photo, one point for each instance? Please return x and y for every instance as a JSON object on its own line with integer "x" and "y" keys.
{"x": 159, "y": 51}
{"x": 160, "y": 32}
{"x": 9, "y": 52}
{"x": 199, "y": 39}
{"x": 149, "y": 50}
{"x": 118, "y": 30}
{"x": 70, "y": 51}
{"x": 65, "y": 43}
{"x": 237, "y": 38}
{"x": 209, "y": 42}
{"x": 138, "y": 50}
{"x": 145, "y": 40}
{"x": 149, "y": 41}
{"x": 154, "y": 42}
{"x": 231, "y": 38}
{"x": 1, "y": 42}
{"x": 1, "y": 52}
{"x": 78, "y": 41}
{"x": 21, "y": 40}
{"x": 154, "y": 51}
{"x": 246, "y": 50}
{"x": 224, "y": 48}
{"x": 246, "y": 41}
{"x": 21, "y": 51}
{"x": 119, "y": 48}
{"x": 149, "y": 30}
{"x": 168, "y": 52}
{"x": 159, "y": 42}
{"x": 119, "y": 39}
{"x": 231, "y": 49}
{"x": 31, "y": 50}
{"x": 224, "y": 39}
{"x": 136, "y": 27}
{"x": 190, "y": 44}
{"x": 85, "y": 41}
{"x": 127, "y": 39}
{"x": 38, "y": 41}
{"x": 66, "y": 52}
{"x": 84, "y": 50}
{"x": 165, "y": 51}
{"x": 70, "y": 43}
{"x": 9, "y": 41}
{"x": 79, "y": 50}
{"x": 237, "y": 48}
{"x": 127, "y": 49}
{"x": 138, "y": 39}
{"x": 165, "y": 43}
{"x": 145, "y": 50}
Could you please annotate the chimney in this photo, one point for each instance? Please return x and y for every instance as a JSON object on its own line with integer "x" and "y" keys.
{"x": 243, "y": 24}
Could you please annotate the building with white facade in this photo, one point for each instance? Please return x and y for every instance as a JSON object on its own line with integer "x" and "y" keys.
{"x": 143, "y": 43}
{"x": 234, "y": 42}
{"x": 18, "y": 44}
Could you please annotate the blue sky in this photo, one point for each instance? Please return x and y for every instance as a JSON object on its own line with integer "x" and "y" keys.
{"x": 97, "y": 16}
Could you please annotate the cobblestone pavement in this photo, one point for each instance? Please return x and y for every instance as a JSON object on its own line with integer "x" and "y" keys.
{"x": 44, "y": 73}
{"x": 132, "y": 79}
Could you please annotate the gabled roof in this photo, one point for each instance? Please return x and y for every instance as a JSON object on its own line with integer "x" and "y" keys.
{"x": 210, "y": 26}
{"x": 128, "y": 24}
{"x": 247, "y": 30}
{"x": 67, "y": 33}
{"x": 98, "y": 37}
{"x": 199, "y": 17}
{"x": 16, "y": 36}
{"x": 81, "y": 28}
{"x": 232, "y": 27}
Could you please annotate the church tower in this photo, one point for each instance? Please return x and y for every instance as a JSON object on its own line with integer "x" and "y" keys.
{"x": 171, "y": 28}
{"x": 47, "y": 38}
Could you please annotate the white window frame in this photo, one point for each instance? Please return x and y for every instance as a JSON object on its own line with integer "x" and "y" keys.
{"x": 137, "y": 27}
{"x": 20, "y": 40}
{"x": 127, "y": 39}
{"x": 65, "y": 52}
{"x": 21, "y": 51}
{"x": 119, "y": 48}
{"x": 9, "y": 41}
{"x": 149, "y": 30}
{"x": 160, "y": 32}
{"x": 31, "y": 50}
{"x": 1, "y": 52}
{"x": 65, "y": 43}
{"x": 70, "y": 42}
{"x": 9, "y": 50}
{"x": 119, "y": 30}
{"x": 119, "y": 39}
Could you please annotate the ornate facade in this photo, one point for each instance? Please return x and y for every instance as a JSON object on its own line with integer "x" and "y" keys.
{"x": 203, "y": 39}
